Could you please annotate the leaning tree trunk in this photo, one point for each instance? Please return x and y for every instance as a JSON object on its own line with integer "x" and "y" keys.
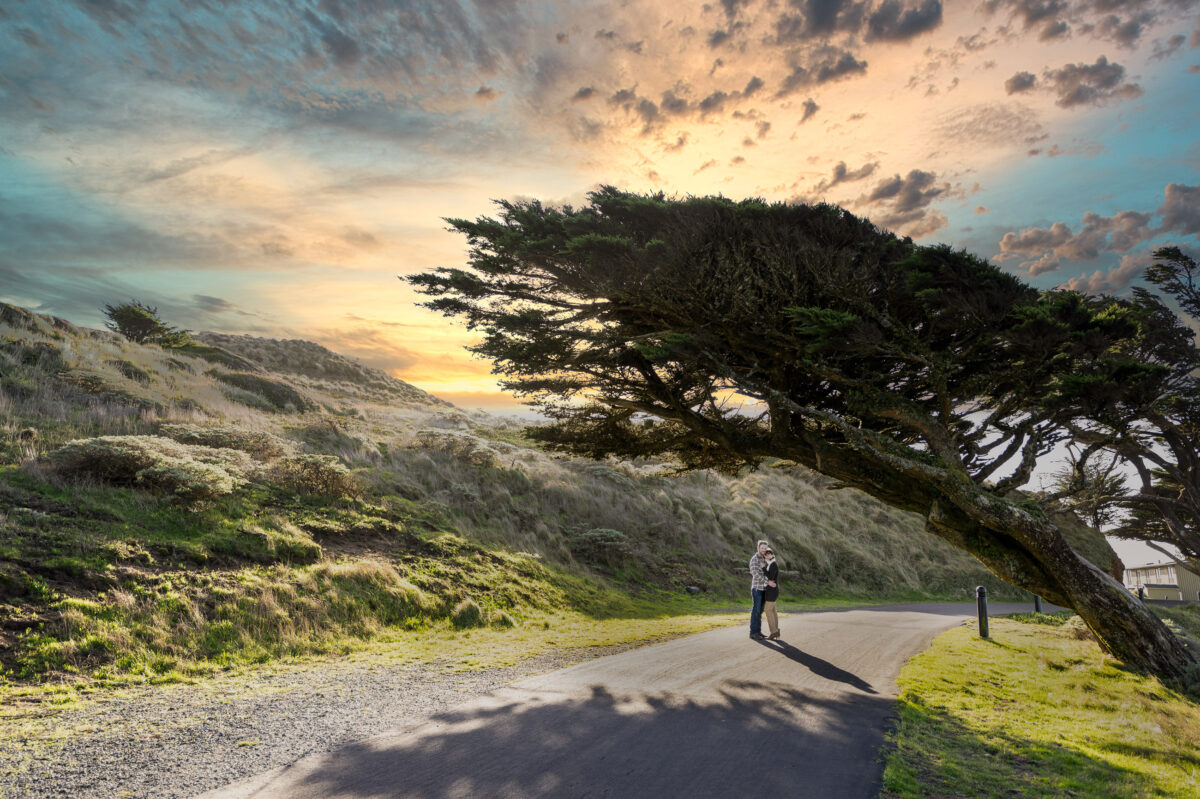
{"x": 1020, "y": 545}
{"x": 1029, "y": 551}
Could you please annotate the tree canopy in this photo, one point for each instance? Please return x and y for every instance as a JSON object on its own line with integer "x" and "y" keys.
{"x": 722, "y": 333}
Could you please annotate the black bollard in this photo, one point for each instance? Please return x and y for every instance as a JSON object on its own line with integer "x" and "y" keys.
{"x": 1037, "y": 604}
{"x": 981, "y": 598}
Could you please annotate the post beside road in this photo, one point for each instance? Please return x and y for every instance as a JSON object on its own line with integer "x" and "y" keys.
{"x": 981, "y": 599}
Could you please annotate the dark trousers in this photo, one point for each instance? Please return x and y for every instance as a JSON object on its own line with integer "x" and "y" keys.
{"x": 756, "y": 611}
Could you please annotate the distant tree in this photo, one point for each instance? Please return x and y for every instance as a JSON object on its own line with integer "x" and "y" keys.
{"x": 1153, "y": 421}
{"x": 140, "y": 324}
{"x": 1094, "y": 489}
{"x": 723, "y": 333}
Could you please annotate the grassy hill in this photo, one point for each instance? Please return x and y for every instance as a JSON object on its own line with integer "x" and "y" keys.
{"x": 172, "y": 511}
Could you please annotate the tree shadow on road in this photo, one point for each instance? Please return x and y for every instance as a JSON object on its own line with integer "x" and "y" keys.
{"x": 819, "y": 667}
{"x": 754, "y": 738}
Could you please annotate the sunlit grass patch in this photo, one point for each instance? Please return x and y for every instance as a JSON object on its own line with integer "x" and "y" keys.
{"x": 1036, "y": 712}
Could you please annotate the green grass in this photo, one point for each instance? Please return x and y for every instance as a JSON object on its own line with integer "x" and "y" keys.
{"x": 1036, "y": 712}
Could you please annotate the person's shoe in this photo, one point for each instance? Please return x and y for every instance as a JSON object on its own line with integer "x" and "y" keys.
{"x": 773, "y": 636}
{"x": 758, "y": 636}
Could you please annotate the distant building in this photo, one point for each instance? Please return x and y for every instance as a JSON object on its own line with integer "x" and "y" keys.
{"x": 1164, "y": 581}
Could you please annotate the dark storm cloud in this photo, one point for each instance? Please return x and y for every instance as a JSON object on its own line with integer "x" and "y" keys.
{"x": 1090, "y": 84}
{"x": 713, "y": 103}
{"x": 843, "y": 174}
{"x": 734, "y": 7}
{"x": 903, "y": 203}
{"x": 1031, "y": 13}
{"x": 1122, "y": 22}
{"x": 818, "y": 19}
{"x": 891, "y": 21}
{"x": 673, "y": 104}
{"x": 824, "y": 66}
{"x": 1058, "y": 29}
{"x": 909, "y": 193}
{"x": 719, "y": 37}
{"x": 1020, "y": 82}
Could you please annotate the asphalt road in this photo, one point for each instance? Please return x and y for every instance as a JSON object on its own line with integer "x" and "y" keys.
{"x": 710, "y": 715}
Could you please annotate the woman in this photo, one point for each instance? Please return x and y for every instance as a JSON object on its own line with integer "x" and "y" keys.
{"x": 771, "y": 594}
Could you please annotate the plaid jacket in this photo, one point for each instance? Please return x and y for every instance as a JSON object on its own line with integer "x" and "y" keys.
{"x": 758, "y": 573}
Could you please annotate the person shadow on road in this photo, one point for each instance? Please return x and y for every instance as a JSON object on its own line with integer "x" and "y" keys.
{"x": 819, "y": 667}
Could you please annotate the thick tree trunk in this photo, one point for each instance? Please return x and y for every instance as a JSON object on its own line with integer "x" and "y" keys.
{"x": 1030, "y": 552}
{"x": 1020, "y": 545}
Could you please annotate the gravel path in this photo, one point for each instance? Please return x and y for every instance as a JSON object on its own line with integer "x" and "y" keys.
{"x": 180, "y": 741}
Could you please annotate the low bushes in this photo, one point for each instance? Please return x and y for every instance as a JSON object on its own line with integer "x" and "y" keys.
{"x": 259, "y": 445}
{"x": 322, "y": 475}
{"x": 188, "y": 473}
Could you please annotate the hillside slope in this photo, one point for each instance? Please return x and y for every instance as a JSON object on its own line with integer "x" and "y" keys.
{"x": 168, "y": 510}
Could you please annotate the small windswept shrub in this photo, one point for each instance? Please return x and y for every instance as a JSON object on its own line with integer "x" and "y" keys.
{"x": 467, "y": 614}
{"x": 189, "y": 473}
{"x": 260, "y": 445}
{"x": 280, "y": 396}
{"x": 322, "y": 475}
{"x": 600, "y": 546}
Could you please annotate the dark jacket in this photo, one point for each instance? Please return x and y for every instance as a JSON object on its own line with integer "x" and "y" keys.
{"x": 772, "y": 594}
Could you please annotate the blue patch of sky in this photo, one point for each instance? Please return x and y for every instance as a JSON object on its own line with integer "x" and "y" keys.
{"x": 1145, "y": 144}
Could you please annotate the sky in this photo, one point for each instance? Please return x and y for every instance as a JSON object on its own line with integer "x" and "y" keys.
{"x": 270, "y": 168}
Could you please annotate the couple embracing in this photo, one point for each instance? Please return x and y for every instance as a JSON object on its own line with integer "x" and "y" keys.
{"x": 764, "y": 589}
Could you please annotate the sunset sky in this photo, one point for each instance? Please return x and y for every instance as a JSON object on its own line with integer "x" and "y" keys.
{"x": 271, "y": 167}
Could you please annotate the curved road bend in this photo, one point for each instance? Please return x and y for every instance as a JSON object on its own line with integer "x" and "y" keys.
{"x": 710, "y": 715}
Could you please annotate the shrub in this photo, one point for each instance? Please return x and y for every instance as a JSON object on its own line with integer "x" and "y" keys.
{"x": 280, "y": 396}
{"x": 467, "y": 614}
{"x": 322, "y": 475}
{"x": 190, "y": 473}
{"x": 263, "y": 446}
{"x": 600, "y": 546}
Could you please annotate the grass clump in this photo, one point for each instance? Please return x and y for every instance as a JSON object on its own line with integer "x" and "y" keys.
{"x": 468, "y": 614}
{"x": 1037, "y": 712}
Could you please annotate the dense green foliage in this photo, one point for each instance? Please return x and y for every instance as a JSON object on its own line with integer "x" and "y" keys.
{"x": 722, "y": 333}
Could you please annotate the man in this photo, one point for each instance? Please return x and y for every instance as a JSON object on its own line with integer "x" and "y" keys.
{"x": 758, "y": 585}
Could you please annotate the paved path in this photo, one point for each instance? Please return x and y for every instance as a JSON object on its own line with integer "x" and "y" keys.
{"x": 710, "y": 715}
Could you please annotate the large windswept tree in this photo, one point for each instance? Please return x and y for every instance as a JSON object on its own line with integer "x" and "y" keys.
{"x": 723, "y": 333}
